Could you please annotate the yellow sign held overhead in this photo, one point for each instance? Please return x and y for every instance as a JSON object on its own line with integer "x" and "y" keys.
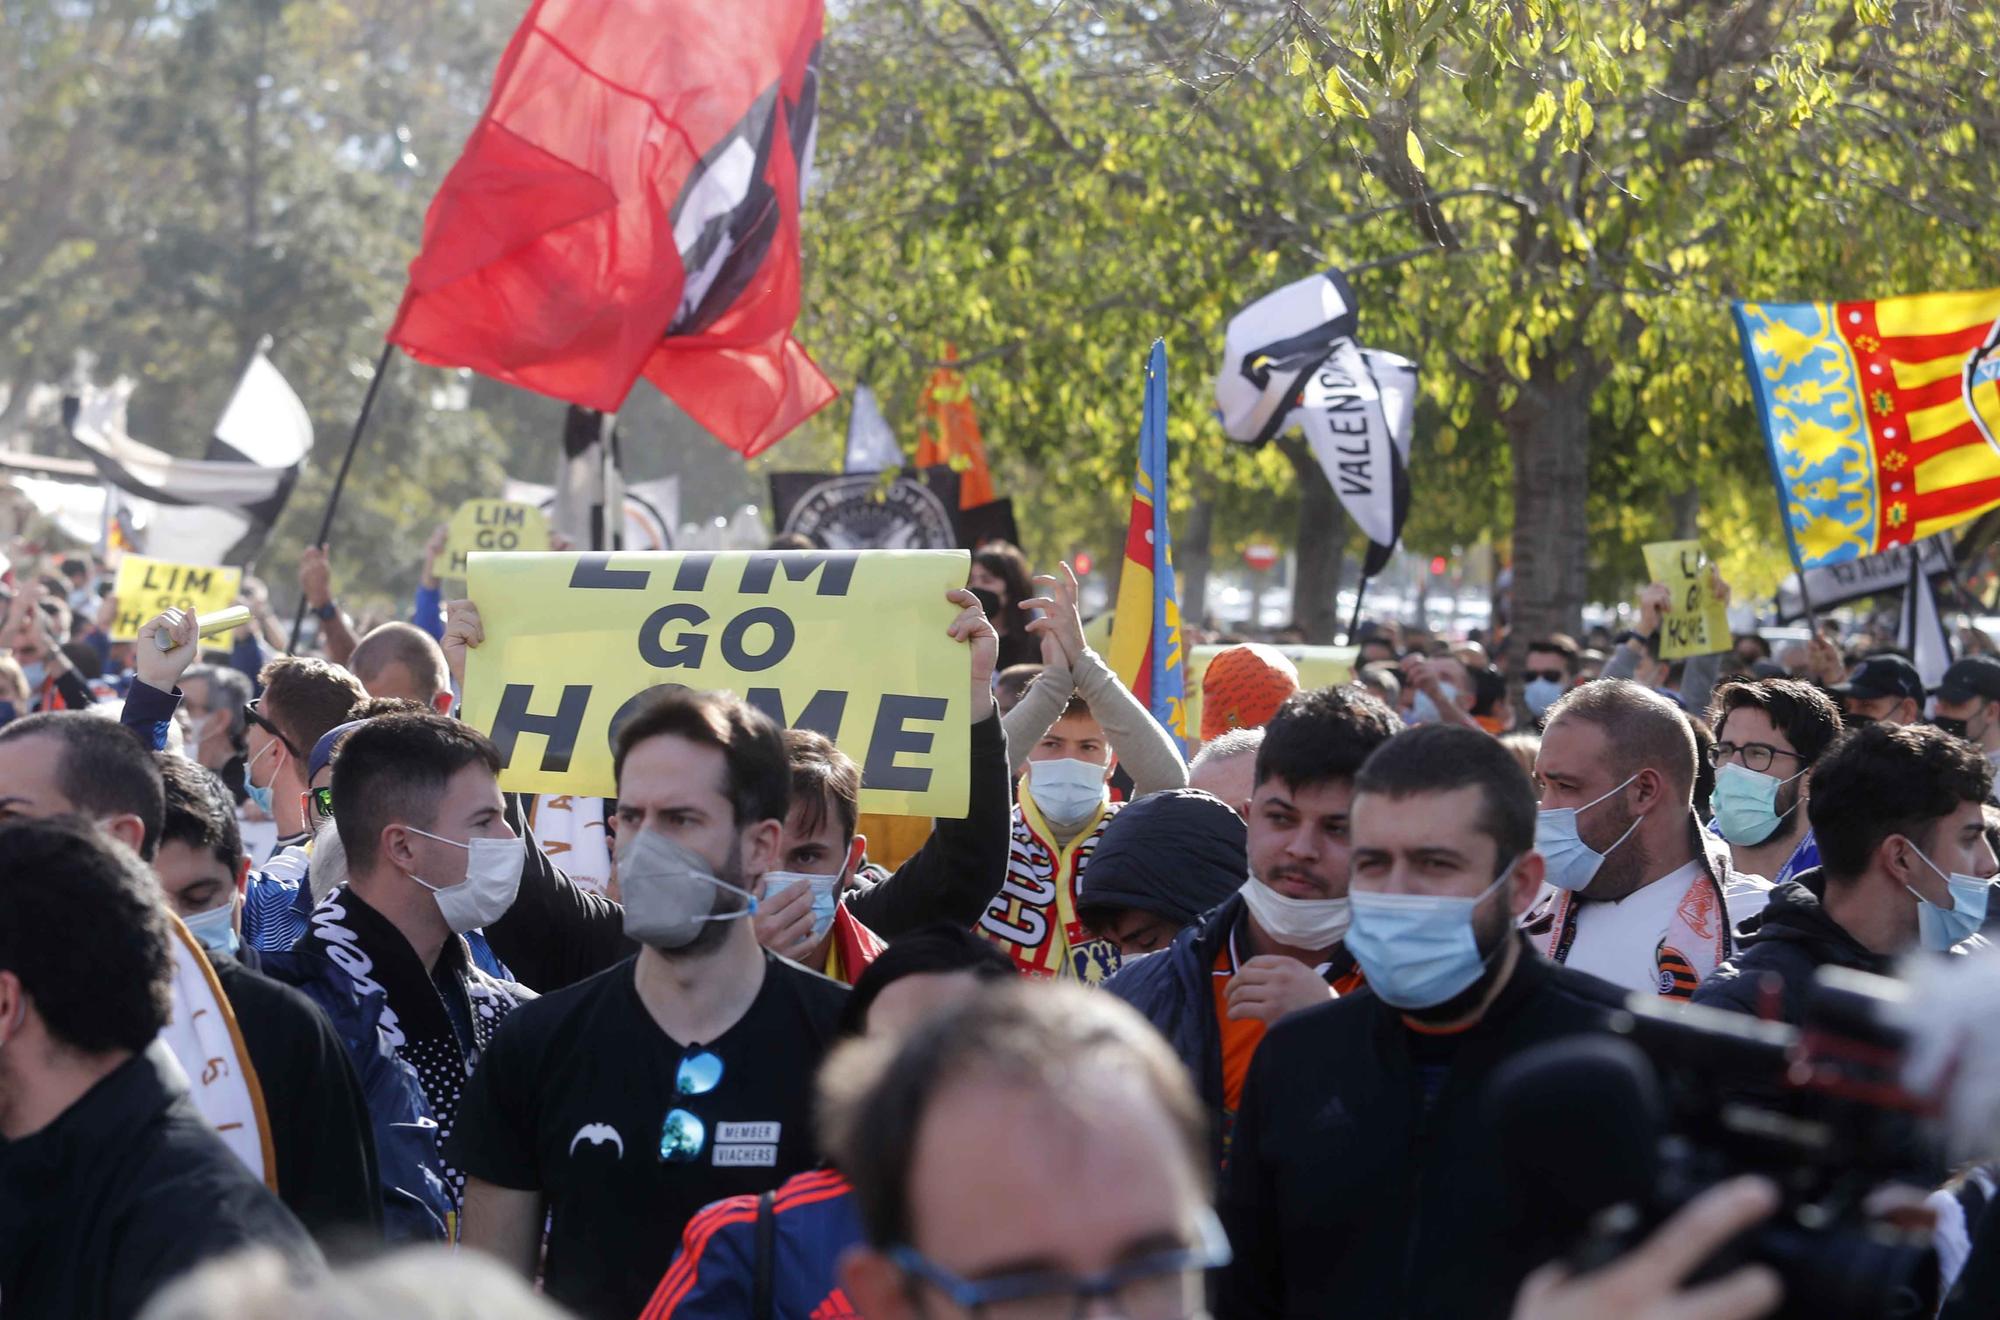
{"x": 492, "y": 525}
{"x": 146, "y": 587}
{"x": 850, "y": 643}
{"x": 1698, "y": 623}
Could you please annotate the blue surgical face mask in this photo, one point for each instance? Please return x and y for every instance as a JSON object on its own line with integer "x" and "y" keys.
{"x": 1572, "y": 862}
{"x": 1067, "y": 791}
{"x": 1424, "y": 711}
{"x": 1746, "y": 804}
{"x": 1940, "y": 928}
{"x": 825, "y": 894}
{"x": 256, "y": 792}
{"x": 1419, "y": 950}
{"x": 1542, "y": 693}
{"x": 215, "y": 929}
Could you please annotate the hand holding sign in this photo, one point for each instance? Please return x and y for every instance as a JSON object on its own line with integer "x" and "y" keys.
{"x": 1697, "y": 619}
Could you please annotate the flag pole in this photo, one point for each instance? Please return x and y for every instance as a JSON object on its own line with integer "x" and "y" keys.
{"x": 1354, "y": 624}
{"x": 340, "y": 480}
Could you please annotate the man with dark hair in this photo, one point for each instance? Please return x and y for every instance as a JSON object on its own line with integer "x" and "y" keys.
{"x": 1899, "y": 812}
{"x": 731, "y": 1252}
{"x": 1634, "y": 893}
{"x": 69, "y": 762}
{"x": 1011, "y": 684}
{"x": 565, "y": 1120}
{"x": 1547, "y": 672}
{"x": 1363, "y": 1180}
{"x": 1769, "y": 733}
{"x": 417, "y": 807}
{"x": 401, "y": 660}
{"x": 303, "y": 697}
{"x": 320, "y": 1136}
{"x": 110, "y": 1182}
{"x": 1163, "y": 862}
{"x": 1079, "y": 1094}
{"x": 1883, "y": 688}
{"x": 1276, "y": 946}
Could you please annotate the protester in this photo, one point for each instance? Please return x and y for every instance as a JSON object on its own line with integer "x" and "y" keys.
{"x": 1769, "y": 733}
{"x": 1634, "y": 895}
{"x": 1072, "y": 722}
{"x": 423, "y": 1283}
{"x": 1384, "y": 681}
{"x": 1899, "y": 815}
{"x": 110, "y": 1182}
{"x": 1687, "y": 683}
{"x": 336, "y": 635}
{"x": 1277, "y": 946}
{"x": 1000, "y": 568}
{"x": 782, "y": 1249}
{"x": 398, "y": 660}
{"x": 1243, "y": 686}
{"x": 1882, "y": 688}
{"x": 214, "y": 698}
{"x": 1226, "y": 767}
{"x": 563, "y": 1119}
{"x": 35, "y": 627}
{"x": 1011, "y": 684}
{"x": 1548, "y": 670}
{"x": 1080, "y": 1095}
{"x": 1968, "y": 703}
{"x": 1440, "y": 691}
{"x": 303, "y": 698}
{"x": 1363, "y": 1179}
{"x": 1161, "y": 863}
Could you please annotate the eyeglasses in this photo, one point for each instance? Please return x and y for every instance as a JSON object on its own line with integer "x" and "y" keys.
{"x": 1163, "y": 1286}
{"x": 256, "y": 717}
{"x": 683, "y": 1136}
{"x": 1546, "y": 675}
{"x": 320, "y": 802}
{"x": 1756, "y": 756}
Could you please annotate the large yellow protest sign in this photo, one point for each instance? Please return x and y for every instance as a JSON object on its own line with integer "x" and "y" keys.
{"x": 849, "y": 643}
{"x": 1698, "y": 623}
{"x": 496, "y": 525}
{"x": 145, "y": 587}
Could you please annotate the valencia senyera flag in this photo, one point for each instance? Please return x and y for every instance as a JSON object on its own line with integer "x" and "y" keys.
{"x": 1146, "y": 629}
{"x": 629, "y": 205}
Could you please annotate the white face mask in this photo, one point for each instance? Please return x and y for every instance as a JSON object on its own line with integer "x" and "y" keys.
{"x": 1303, "y": 923}
{"x": 670, "y": 890}
{"x": 825, "y": 894}
{"x": 492, "y": 879}
{"x": 1067, "y": 791}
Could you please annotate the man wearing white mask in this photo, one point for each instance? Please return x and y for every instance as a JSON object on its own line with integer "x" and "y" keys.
{"x": 416, "y": 801}
{"x": 615, "y": 1108}
{"x": 1634, "y": 893}
{"x": 1277, "y": 946}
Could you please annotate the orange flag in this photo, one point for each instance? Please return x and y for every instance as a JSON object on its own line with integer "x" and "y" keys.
{"x": 952, "y": 437}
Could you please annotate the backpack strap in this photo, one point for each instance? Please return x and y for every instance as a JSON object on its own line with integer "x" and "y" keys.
{"x": 767, "y": 1258}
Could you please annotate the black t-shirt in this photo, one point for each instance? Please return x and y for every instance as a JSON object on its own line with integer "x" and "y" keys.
{"x": 571, "y": 1097}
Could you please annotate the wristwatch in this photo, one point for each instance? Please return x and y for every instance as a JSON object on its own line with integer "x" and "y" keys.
{"x": 326, "y": 612}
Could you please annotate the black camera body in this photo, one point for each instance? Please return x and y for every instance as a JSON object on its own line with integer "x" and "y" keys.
{"x": 1679, "y": 1098}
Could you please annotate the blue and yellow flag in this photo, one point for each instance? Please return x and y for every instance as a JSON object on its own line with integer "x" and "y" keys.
{"x": 1882, "y": 417}
{"x": 1146, "y": 633}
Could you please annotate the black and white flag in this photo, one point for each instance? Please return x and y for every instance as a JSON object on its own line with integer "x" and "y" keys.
{"x": 1291, "y": 359}
{"x": 212, "y": 510}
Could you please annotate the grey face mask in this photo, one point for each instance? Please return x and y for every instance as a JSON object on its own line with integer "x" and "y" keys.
{"x": 670, "y": 891}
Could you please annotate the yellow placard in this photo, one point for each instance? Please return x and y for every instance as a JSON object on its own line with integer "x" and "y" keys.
{"x": 145, "y": 587}
{"x": 500, "y": 526}
{"x": 1318, "y": 666}
{"x": 1698, "y": 623}
{"x": 850, "y": 643}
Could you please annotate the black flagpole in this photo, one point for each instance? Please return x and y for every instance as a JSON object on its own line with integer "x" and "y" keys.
{"x": 1354, "y": 624}
{"x": 340, "y": 480}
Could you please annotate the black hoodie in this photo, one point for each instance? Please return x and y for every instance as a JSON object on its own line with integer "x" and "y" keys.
{"x": 1794, "y": 939}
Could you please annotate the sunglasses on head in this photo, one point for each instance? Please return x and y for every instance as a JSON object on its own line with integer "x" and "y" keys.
{"x": 256, "y": 717}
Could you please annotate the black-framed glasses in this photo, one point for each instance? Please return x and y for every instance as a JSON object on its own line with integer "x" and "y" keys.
{"x": 1756, "y": 756}
{"x": 321, "y": 800}
{"x": 256, "y": 717}
{"x": 1164, "y": 1286}
{"x": 684, "y": 1135}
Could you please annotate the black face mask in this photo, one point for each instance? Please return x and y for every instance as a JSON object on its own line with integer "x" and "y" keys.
{"x": 1956, "y": 728}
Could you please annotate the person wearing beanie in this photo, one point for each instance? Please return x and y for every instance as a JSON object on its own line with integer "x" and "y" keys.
{"x": 1243, "y": 687}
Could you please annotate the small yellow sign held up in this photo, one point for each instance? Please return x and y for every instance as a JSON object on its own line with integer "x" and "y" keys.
{"x": 145, "y": 587}
{"x": 492, "y": 525}
{"x": 1698, "y": 623}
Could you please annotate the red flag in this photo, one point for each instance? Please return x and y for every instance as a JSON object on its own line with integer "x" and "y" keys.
{"x": 629, "y": 205}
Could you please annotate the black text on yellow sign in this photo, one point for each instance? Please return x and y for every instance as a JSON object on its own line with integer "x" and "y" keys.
{"x": 851, "y": 644}
{"x": 495, "y": 525}
{"x": 147, "y": 587}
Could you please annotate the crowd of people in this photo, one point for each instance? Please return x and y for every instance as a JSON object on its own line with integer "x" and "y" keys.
{"x": 1150, "y": 1031}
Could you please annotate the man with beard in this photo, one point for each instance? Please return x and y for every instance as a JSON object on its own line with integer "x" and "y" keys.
{"x": 616, "y": 1108}
{"x": 1362, "y": 1180}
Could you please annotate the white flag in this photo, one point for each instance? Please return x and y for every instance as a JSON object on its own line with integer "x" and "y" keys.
{"x": 871, "y": 445}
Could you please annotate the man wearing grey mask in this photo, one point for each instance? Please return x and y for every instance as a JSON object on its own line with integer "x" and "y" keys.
{"x": 616, "y": 1108}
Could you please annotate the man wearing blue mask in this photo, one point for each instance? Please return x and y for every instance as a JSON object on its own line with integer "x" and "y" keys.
{"x": 1547, "y": 672}
{"x": 1635, "y": 893}
{"x": 1362, "y": 1180}
{"x": 1898, "y": 813}
{"x": 1769, "y": 732}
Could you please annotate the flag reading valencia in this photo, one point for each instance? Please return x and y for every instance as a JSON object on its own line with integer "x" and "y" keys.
{"x": 1146, "y": 630}
{"x": 629, "y": 205}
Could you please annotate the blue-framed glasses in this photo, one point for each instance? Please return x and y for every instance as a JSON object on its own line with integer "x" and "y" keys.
{"x": 683, "y": 1136}
{"x": 1164, "y": 1286}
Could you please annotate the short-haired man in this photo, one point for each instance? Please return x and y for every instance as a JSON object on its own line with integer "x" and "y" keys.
{"x": 1883, "y": 688}
{"x": 1079, "y": 1094}
{"x": 416, "y": 802}
{"x": 1899, "y": 814}
{"x": 400, "y": 660}
{"x": 1011, "y": 684}
{"x": 1634, "y": 893}
{"x": 1968, "y": 703}
{"x": 1547, "y": 671}
{"x": 1363, "y": 1180}
{"x": 617, "y": 1107}
{"x": 111, "y": 1183}
{"x": 1226, "y": 767}
{"x": 1769, "y": 733}
{"x": 303, "y": 697}
{"x": 1076, "y": 717}
{"x": 1277, "y": 946}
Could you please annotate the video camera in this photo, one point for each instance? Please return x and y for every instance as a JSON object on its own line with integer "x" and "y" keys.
{"x": 1608, "y": 1135}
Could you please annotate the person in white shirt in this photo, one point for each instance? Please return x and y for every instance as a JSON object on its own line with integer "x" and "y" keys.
{"x": 1633, "y": 894}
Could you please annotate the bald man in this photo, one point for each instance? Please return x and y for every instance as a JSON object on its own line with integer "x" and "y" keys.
{"x": 399, "y": 660}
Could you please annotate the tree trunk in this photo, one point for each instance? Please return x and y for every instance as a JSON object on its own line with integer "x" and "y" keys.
{"x": 1193, "y": 556}
{"x": 1321, "y": 545}
{"x": 1548, "y": 430}
{"x": 1685, "y": 509}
